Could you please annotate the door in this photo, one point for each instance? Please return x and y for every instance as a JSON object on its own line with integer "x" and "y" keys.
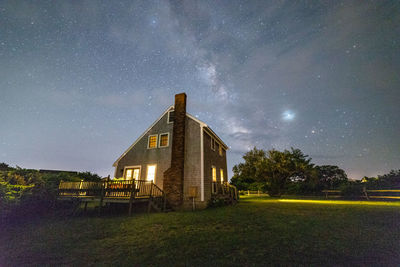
{"x": 132, "y": 173}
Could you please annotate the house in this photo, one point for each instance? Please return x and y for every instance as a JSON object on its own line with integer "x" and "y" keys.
{"x": 181, "y": 155}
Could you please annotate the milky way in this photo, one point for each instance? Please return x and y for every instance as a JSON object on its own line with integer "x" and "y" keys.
{"x": 81, "y": 80}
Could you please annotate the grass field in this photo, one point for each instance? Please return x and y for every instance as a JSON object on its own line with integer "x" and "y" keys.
{"x": 258, "y": 231}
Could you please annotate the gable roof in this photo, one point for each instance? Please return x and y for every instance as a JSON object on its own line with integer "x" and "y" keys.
{"x": 203, "y": 124}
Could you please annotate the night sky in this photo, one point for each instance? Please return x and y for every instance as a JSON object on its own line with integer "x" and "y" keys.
{"x": 81, "y": 80}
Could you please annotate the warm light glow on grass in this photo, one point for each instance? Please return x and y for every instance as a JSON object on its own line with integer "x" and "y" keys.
{"x": 340, "y": 202}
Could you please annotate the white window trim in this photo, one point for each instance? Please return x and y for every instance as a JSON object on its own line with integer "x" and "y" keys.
{"x": 132, "y": 167}
{"x": 168, "y": 121}
{"x": 148, "y": 141}
{"x": 213, "y": 141}
{"x": 159, "y": 139}
{"x": 155, "y": 172}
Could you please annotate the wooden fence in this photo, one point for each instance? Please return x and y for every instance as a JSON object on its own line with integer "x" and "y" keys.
{"x": 252, "y": 192}
{"x": 369, "y": 193}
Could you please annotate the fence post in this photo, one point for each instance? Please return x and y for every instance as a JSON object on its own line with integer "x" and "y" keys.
{"x": 365, "y": 192}
{"x": 248, "y": 192}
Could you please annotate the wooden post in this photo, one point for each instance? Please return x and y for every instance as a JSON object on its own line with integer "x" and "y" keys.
{"x": 102, "y": 196}
{"x": 150, "y": 198}
{"x": 85, "y": 207}
{"x": 132, "y": 197}
{"x": 164, "y": 202}
{"x": 248, "y": 192}
{"x": 365, "y": 192}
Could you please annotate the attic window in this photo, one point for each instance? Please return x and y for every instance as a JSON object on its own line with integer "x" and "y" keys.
{"x": 152, "y": 141}
{"x": 164, "y": 140}
{"x": 171, "y": 116}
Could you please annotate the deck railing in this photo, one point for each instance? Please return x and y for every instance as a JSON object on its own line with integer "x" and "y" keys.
{"x": 110, "y": 189}
{"x": 224, "y": 189}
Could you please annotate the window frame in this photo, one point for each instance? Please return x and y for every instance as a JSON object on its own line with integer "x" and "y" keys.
{"x": 132, "y": 167}
{"x": 159, "y": 140}
{"x": 213, "y": 141}
{"x": 148, "y": 141}
{"x": 212, "y": 173}
{"x": 168, "y": 120}
{"x": 155, "y": 172}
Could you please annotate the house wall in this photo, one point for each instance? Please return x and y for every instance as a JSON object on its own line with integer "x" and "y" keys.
{"x": 212, "y": 158}
{"x": 140, "y": 155}
{"x": 192, "y": 171}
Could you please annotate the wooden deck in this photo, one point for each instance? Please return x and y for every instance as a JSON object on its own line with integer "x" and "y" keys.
{"x": 119, "y": 191}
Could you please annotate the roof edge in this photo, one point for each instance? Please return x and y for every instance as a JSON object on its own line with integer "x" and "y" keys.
{"x": 143, "y": 134}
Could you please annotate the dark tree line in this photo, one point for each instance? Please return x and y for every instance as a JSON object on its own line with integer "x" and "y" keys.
{"x": 288, "y": 171}
{"x": 27, "y": 191}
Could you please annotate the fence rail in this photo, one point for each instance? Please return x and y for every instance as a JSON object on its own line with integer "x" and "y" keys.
{"x": 369, "y": 193}
{"x": 251, "y": 192}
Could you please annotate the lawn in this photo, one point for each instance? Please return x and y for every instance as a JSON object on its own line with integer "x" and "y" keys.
{"x": 258, "y": 231}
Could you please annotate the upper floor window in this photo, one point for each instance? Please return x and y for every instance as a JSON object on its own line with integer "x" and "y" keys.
{"x": 213, "y": 143}
{"x": 152, "y": 142}
{"x": 214, "y": 173}
{"x": 171, "y": 116}
{"x": 164, "y": 140}
{"x": 220, "y": 149}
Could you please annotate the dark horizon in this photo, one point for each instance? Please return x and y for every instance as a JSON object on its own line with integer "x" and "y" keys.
{"x": 81, "y": 81}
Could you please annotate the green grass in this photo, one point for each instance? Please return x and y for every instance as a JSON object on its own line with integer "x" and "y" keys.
{"x": 258, "y": 231}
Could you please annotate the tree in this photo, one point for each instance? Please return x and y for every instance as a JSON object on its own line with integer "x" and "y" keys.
{"x": 5, "y": 167}
{"x": 278, "y": 168}
{"x": 391, "y": 179}
{"x": 331, "y": 176}
{"x": 244, "y": 174}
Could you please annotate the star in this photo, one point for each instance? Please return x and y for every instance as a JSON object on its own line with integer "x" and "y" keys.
{"x": 288, "y": 115}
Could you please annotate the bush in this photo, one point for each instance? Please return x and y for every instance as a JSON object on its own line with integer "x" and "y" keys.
{"x": 351, "y": 190}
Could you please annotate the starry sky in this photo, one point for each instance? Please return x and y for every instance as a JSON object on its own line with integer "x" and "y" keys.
{"x": 81, "y": 80}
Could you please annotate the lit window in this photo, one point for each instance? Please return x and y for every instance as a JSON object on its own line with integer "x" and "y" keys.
{"x": 152, "y": 141}
{"x": 164, "y": 142}
{"x": 220, "y": 150}
{"x": 171, "y": 116}
{"x": 222, "y": 175}
{"x": 151, "y": 173}
{"x": 132, "y": 173}
{"x": 128, "y": 175}
{"x": 136, "y": 174}
{"x": 212, "y": 143}
{"x": 214, "y": 174}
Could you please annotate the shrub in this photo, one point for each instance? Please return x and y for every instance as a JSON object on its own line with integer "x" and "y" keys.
{"x": 351, "y": 190}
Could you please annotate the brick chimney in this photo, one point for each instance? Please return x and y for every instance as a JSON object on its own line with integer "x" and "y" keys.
{"x": 173, "y": 177}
